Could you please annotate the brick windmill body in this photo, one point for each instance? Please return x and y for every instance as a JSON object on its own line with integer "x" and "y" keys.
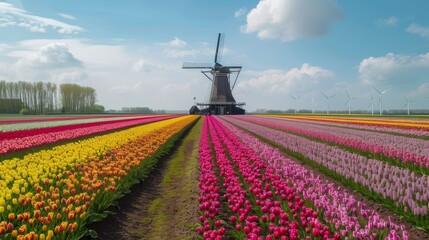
{"x": 221, "y": 101}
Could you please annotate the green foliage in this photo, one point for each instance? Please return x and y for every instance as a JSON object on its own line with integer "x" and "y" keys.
{"x": 24, "y": 111}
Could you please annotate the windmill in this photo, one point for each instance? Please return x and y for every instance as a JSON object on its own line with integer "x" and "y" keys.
{"x": 221, "y": 100}
{"x": 408, "y": 104}
{"x": 380, "y": 100}
{"x": 295, "y": 99}
{"x": 327, "y": 101}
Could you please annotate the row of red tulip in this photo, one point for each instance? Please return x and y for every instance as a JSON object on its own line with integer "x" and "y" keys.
{"x": 46, "y": 119}
{"x": 38, "y": 137}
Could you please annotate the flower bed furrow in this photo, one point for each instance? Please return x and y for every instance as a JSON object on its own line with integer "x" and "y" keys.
{"x": 406, "y": 150}
{"x": 47, "y": 136}
{"x": 338, "y": 206}
{"x": 53, "y": 194}
{"x": 403, "y": 191}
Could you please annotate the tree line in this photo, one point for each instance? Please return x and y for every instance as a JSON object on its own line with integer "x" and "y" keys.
{"x": 42, "y": 97}
{"x": 143, "y": 110}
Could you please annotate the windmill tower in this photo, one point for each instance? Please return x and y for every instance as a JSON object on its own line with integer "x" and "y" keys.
{"x": 221, "y": 100}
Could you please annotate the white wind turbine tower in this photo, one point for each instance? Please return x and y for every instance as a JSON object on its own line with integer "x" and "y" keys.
{"x": 372, "y": 103}
{"x": 380, "y": 103}
{"x": 327, "y": 101}
{"x": 295, "y": 99}
{"x": 349, "y": 101}
{"x": 313, "y": 103}
{"x": 408, "y": 104}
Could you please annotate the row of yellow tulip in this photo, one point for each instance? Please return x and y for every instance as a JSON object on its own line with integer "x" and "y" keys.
{"x": 48, "y": 194}
{"x": 366, "y": 121}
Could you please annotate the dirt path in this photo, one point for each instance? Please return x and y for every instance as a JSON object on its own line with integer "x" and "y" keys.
{"x": 165, "y": 205}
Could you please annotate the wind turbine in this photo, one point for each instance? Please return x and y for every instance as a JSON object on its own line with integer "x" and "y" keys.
{"x": 349, "y": 101}
{"x": 295, "y": 99}
{"x": 380, "y": 103}
{"x": 314, "y": 104}
{"x": 327, "y": 101}
{"x": 408, "y": 104}
{"x": 372, "y": 103}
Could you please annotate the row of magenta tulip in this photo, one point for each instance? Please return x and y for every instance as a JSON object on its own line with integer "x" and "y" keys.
{"x": 64, "y": 200}
{"x": 404, "y": 149}
{"x": 261, "y": 202}
{"x": 404, "y": 191}
{"x": 20, "y": 126}
{"x": 14, "y": 141}
{"x": 403, "y": 127}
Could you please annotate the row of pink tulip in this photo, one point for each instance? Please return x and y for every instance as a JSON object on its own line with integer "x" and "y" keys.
{"x": 46, "y": 136}
{"x": 209, "y": 196}
{"x": 272, "y": 208}
{"x": 407, "y": 189}
{"x": 340, "y": 208}
{"x": 408, "y": 150}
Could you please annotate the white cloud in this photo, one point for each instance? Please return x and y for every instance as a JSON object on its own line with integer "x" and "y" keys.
{"x": 136, "y": 87}
{"x": 175, "y": 88}
{"x": 3, "y": 47}
{"x": 394, "y": 68}
{"x": 180, "y": 53}
{"x": 421, "y": 90}
{"x": 144, "y": 66}
{"x": 390, "y": 21}
{"x": 12, "y": 16}
{"x": 297, "y": 79}
{"x": 291, "y": 19}
{"x": 74, "y": 76}
{"x": 175, "y": 43}
{"x": 52, "y": 55}
{"x": 420, "y": 30}
{"x": 240, "y": 12}
{"x": 67, "y": 16}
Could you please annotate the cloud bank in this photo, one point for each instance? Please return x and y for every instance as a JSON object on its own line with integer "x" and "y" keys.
{"x": 292, "y": 19}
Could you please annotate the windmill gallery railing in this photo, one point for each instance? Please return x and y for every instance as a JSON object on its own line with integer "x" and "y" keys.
{"x": 221, "y": 108}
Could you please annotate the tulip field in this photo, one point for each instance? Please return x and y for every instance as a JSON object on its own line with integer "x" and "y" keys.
{"x": 54, "y": 193}
{"x": 254, "y": 187}
{"x": 233, "y": 177}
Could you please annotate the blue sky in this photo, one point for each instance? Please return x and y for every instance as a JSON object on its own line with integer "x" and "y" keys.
{"x": 132, "y": 51}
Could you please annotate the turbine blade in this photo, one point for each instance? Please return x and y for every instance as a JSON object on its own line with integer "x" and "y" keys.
{"x": 385, "y": 91}
{"x": 377, "y": 91}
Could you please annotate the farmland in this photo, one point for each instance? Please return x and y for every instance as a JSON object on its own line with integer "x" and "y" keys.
{"x": 214, "y": 177}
